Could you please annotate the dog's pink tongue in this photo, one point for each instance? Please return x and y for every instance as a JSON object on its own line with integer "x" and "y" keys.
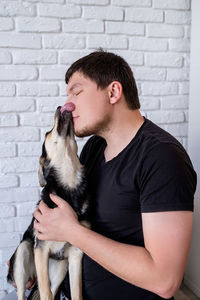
{"x": 68, "y": 106}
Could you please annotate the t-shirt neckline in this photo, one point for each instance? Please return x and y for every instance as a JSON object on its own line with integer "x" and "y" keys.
{"x": 134, "y": 139}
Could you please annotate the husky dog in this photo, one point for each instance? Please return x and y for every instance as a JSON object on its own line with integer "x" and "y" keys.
{"x": 61, "y": 173}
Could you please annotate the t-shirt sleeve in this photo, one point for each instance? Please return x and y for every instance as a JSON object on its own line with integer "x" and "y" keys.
{"x": 167, "y": 179}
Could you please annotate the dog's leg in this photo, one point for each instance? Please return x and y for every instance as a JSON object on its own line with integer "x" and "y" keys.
{"x": 24, "y": 267}
{"x": 42, "y": 268}
{"x": 57, "y": 272}
{"x": 75, "y": 272}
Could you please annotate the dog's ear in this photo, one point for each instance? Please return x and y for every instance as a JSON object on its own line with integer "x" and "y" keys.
{"x": 42, "y": 180}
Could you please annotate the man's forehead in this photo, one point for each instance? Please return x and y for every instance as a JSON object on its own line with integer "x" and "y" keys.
{"x": 76, "y": 80}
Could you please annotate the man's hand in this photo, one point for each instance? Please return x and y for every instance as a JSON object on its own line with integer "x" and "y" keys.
{"x": 29, "y": 285}
{"x": 56, "y": 224}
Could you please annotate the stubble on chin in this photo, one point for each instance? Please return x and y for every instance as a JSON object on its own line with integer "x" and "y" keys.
{"x": 99, "y": 128}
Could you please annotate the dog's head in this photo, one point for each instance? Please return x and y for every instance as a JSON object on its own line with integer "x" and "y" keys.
{"x": 59, "y": 151}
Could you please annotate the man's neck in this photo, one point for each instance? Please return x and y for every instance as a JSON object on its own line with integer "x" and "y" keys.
{"x": 121, "y": 132}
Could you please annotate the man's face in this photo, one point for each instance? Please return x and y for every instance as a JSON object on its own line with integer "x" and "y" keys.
{"x": 91, "y": 114}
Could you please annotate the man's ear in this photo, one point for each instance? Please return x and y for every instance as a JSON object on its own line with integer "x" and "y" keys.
{"x": 115, "y": 91}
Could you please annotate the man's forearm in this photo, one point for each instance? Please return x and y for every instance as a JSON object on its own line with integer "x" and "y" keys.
{"x": 131, "y": 263}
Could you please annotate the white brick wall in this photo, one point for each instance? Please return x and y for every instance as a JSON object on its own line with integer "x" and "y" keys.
{"x": 38, "y": 41}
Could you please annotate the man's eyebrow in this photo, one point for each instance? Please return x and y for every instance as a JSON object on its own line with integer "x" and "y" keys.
{"x": 74, "y": 86}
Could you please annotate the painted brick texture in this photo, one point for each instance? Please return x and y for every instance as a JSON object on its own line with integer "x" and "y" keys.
{"x": 38, "y": 42}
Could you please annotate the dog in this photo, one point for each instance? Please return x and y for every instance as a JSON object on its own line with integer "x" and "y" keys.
{"x": 60, "y": 173}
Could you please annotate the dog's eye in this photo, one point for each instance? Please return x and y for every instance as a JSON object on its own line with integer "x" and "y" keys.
{"x": 55, "y": 142}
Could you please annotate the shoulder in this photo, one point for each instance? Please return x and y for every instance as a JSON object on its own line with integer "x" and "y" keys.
{"x": 158, "y": 143}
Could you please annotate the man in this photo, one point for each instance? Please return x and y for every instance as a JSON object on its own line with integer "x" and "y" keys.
{"x": 142, "y": 185}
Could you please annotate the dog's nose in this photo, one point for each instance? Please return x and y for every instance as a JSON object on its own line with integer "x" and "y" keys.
{"x": 69, "y": 106}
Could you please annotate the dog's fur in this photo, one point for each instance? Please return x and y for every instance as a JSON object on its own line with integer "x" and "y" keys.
{"x": 61, "y": 173}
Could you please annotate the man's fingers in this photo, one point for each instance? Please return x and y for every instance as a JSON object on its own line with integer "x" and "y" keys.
{"x": 57, "y": 200}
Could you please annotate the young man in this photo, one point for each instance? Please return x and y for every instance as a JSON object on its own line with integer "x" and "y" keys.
{"x": 142, "y": 185}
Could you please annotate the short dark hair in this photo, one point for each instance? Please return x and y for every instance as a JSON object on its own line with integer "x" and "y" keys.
{"x": 103, "y": 68}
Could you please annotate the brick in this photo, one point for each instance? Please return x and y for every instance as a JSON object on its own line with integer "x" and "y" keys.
{"x": 107, "y": 13}
{"x": 132, "y": 57}
{"x": 16, "y": 40}
{"x": 143, "y": 15}
{"x": 186, "y": 58}
{"x": 178, "y": 130}
{"x": 13, "y": 8}
{"x": 64, "y": 41}
{"x": 8, "y": 120}
{"x": 34, "y": 57}
{"x": 174, "y": 102}
{"x": 68, "y": 57}
{"x": 159, "y": 88}
{"x": 7, "y": 89}
{"x": 188, "y": 32}
{"x": 7, "y": 211}
{"x": 6, "y": 225}
{"x": 19, "y": 134}
{"x": 33, "y": 119}
{"x": 178, "y": 17}
{"x": 16, "y": 195}
{"x": 19, "y": 164}
{"x": 5, "y": 57}
{"x": 29, "y": 180}
{"x": 171, "y": 31}
{"x": 50, "y": 105}
{"x": 43, "y": 131}
{"x": 4, "y": 270}
{"x": 184, "y": 88}
{"x": 59, "y": 11}
{"x": 8, "y": 181}
{"x": 50, "y": 1}
{"x": 6, "y": 253}
{"x": 164, "y": 60}
{"x": 37, "y": 24}
{"x": 3, "y": 294}
{"x": 7, "y": 150}
{"x": 53, "y": 73}
{"x": 90, "y": 2}
{"x": 9, "y": 239}
{"x": 149, "y": 103}
{"x": 30, "y": 149}
{"x": 6, "y": 24}
{"x": 186, "y": 113}
{"x": 179, "y": 45}
{"x": 22, "y": 223}
{"x": 107, "y": 42}
{"x": 171, "y": 4}
{"x": 164, "y": 117}
{"x": 18, "y": 73}
{"x": 147, "y": 44}
{"x": 144, "y": 73}
{"x": 136, "y": 3}
{"x": 16, "y": 104}
{"x": 37, "y": 89}
{"x": 125, "y": 28}
{"x": 25, "y": 209}
{"x": 81, "y": 25}
{"x": 178, "y": 74}
{"x": 62, "y": 89}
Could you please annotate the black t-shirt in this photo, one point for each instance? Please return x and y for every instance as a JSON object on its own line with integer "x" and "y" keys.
{"x": 153, "y": 173}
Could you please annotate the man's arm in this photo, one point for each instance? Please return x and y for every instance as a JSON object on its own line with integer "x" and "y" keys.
{"x": 158, "y": 267}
